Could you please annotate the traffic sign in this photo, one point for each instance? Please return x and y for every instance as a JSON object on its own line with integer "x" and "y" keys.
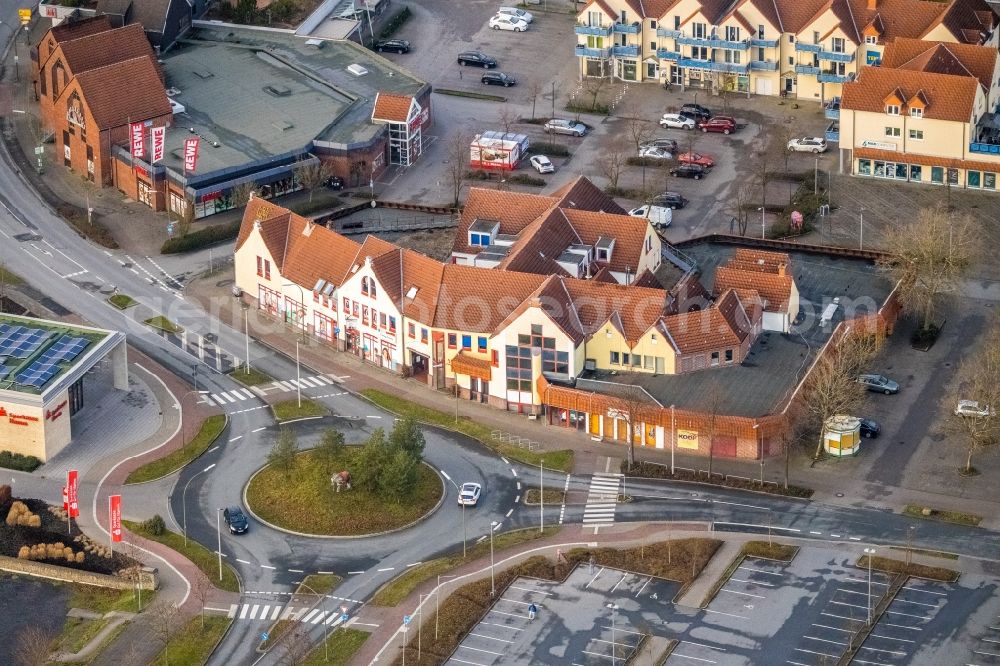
{"x": 406, "y": 619}
{"x": 343, "y": 617}
{"x": 25, "y": 15}
{"x": 264, "y": 636}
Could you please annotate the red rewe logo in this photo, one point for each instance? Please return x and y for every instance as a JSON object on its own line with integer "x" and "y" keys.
{"x": 3, "y": 412}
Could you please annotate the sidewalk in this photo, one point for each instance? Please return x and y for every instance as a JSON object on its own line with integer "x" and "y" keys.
{"x": 695, "y": 594}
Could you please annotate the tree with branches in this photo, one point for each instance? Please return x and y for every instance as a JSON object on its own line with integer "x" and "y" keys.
{"x": 457, "y": 162}
{"x": 928, "y": 256}
{"x": 534, "y": 89}
{"x": 613, "y": 162}
{"x": 32, "y": 646}
{"x": 507, "y": 117}
{"x": 282, "y": 454}
{"x": 312, "y": 175}
{"x": 740, "y": 204}
{"x": 632, "y": 404}
{"x": 832, "y": 386}
{"x": 163, "y": 619}
{"x": 241, "y": 194}
{"x": 979, "y": 382}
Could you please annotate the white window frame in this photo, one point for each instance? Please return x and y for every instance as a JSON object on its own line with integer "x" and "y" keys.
{"x": 892, "y": 109}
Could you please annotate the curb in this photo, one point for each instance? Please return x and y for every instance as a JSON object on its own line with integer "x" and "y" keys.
{"x": 444, "y": 493}
{"x": 705, "y": 484}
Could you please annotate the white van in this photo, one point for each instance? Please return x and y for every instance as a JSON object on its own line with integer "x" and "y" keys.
{"x": 659, "y": 216}
{"x": 516, "y": 13}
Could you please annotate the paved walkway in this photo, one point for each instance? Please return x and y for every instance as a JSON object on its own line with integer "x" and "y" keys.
{"x": 116, "y": 618}
{"x": 694, "y": 595}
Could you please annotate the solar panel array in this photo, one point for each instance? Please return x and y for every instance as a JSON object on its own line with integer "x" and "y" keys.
{"x": 37, "y": 374}
{"x": 20, "y": 341}
{"x": 65, "y": 348}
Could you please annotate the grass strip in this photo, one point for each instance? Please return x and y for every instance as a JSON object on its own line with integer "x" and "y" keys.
{"x": 161, "y": 323}
{"x": 9, "y": 278}
{"x": 770, "y": 551}
{"x": 104, "y": 600}
{"x": 551, "y": 496}
{"x": 251, "y": 377}
{"x": 396, "y": 590}
{"x": 206, "y": 560}
{"x": 889, "y": 565}
{"x": 122, "y": 301}
{"x": 929, "y": 553}
{"x": 210, "y": 430}
{"x": 561, "y": 459}
{"x": 473, "y": 95}
{"x": 338, "y": 649}
{"x": 86, "y": 225}
{"x": 292, "y": 409}
{"x": 78, "y": 632}
{"x": 204, "y": 237}
{"x": 194, "y": 643}
{"x": 956, "y": 517}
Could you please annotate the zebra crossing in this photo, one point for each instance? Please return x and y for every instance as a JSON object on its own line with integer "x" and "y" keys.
{"x": 602, "y": 499}
{"x": 275, "y": 612}
{"x": 225, "y": 398}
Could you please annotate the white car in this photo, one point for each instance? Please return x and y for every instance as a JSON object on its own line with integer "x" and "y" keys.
{"x": 527, "y": 17}
{"x": 560, "y": 126}
{"x": 503, "y": 22}
{"x": 973, "y": 408}
{"x": 542, "y": 164}
{"x": 656, "y": 153}
{"x": 808, "y": 144}
{"x": 469, "y": 494}
{"x": 676, "y": 121}
{"x": 659, "y": 216}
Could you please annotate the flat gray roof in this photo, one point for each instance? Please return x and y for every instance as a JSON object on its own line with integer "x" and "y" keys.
{"x": 261, "y": 94}
{"x": 777, "y": 361}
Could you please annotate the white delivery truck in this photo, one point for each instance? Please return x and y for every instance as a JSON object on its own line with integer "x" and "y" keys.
{"x": 659, "y": 216}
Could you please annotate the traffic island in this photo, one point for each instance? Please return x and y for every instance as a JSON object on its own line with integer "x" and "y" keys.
{"x": 302, "y": 499}
{"x": 292, "y": 410}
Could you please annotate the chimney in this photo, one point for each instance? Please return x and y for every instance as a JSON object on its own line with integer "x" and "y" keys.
{"x": 872, "y": 5}
{"x": 782, "y": 266}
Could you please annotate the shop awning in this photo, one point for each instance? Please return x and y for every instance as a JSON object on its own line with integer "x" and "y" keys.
{"x": 464, "y": 364}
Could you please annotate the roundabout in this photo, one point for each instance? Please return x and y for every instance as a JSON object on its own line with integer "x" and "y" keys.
{"x": 303, "y": 501}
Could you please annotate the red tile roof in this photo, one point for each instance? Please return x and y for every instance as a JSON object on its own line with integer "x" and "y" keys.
{"x": 75, "y": 29}
{"x": 725, "y": 324}
{"x": 123, "y": 92}
{"x": 949, "y": 97}
{"x": 392, "y": 108}
{"x": 942, "y": 58}
{"x": 774, "y": 289}
{"x": 105, "y": 48}
{"x": 582, "y": 194}
{"x": 478, "y": 299}
{"x": 513, "y": 210}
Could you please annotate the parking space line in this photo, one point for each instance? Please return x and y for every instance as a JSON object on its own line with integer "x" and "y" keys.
{"x": 710, "y": 647}
{"x": 821, "y": 654}
{"x": 515, "y": 601}
{"x": 686, "y": 656}
{"x": 624, "y": 576}
{"x": 752, "y": 582}
{"x": 466, "y": 647}
{"x": 715, "y": 612}
{"x": 891, "y": 612}
{"x": 865, "y": 582}
{"x": 462, "y": 661}
{"x": 643, "y": 586}
{"x": 917, "y": 589}
{"x": 594, "y": 578}
{"x": 824, "y": 640}
{"x": 504, "y": 626}
{"x": 895, "y": 652}
{"x": 844, "y": 603}
{"x": 824, "y": 626}
{"x": 743, "y": 594}
{"x": 840, "y": 589}
{"x": 916, "y": 603}
{"x": 841, "y": 617}
{"x": 494, "y": 610}
{"x": 532, "y": 590}
{"x": 902, "y": 626}
{"x": 893, "y": 638}
{"x": 624, "y": 631}
{"x": 492, "y": 638}
{"x": 763, "y": 571}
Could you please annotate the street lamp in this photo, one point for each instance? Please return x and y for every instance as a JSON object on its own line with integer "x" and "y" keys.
{"x": 326, "y": 623}
{"x": 614, "y": 651}
{"x": 763, "y": 235}
{"x": 218, "y": 530}
{"x": 299, "y": 323}
{"x": 541, "y": 495}
{"x": 184, "y": 506}
{"x": 437, "y": 603}
{"x": 760, "y": 450}
{"x": 493, "y": 583}
{"x": 861, "y": 229}
{"x": 870, "y": 552}
{"x": 673, "y": 439}
{"x": 420, "y": 623}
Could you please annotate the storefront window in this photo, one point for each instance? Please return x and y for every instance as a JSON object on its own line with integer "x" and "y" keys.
{"x": 953, "y": 176}
{"x": 900, "y": 172}
{"x": 864, "y": 167}
{"x": 916, "y": 172}
{"x": 989, "y": 181}
{"x": 937, "y": 175}
{"x": 879, "y": 170}
{"x": 974, "y": 178}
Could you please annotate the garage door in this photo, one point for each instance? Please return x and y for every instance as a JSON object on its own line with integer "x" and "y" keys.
{"x": 764, "y": 87}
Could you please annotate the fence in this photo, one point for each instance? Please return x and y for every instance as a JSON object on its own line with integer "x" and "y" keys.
{"x": 521, "y": 442}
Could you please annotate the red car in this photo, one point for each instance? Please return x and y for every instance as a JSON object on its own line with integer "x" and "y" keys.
{"x": 696, "y": 158}
{"x": 723, "y": 124}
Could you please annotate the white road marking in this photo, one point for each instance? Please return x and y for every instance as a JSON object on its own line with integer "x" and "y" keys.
{"x": 244, "y": 611}
{"x": 233, "y": 439}
{"x": 242, "y": 561}
{"x": 385, "y": 569}
{"x": 509, "y": 511}
{"x": 257, "y": 429}
{"x": 267, "y": 566}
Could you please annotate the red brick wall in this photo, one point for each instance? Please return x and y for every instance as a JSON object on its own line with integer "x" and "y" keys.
{"x": 341, "y": 163}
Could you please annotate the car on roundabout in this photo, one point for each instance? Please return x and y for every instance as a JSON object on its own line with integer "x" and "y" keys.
{"x": 469, "y": 494}
{"x": 236, "y": 520}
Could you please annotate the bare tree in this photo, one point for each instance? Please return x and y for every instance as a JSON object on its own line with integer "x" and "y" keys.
{"x": 612, "y": 162}
{"x": 713, "y": 404}
{"x": 832, "y": 386}
{"x": 164, "y": 619}
{"x": 928, "y": 256}
{"x": 740, "y": 205}
{"x": 201, "y": 590}
{"x": 762, "y": 165}
{"x": 457, "y": 161}
{"x": 637, "y": 128}
{"x": 312, "y": 175}
{"x": 32, "y": 646}
{"x": 632, "y": 404}
{"x": 507, "y": 117}
{"x": 534, "y": 89}
{"x": 241, "y": 194}
{"x": 593, "y": 86}
{"x": 979, "y": 382}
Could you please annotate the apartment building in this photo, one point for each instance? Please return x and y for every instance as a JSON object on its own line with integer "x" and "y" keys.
{"x": 927, "y": 114}
{"x": 802, "y": 48}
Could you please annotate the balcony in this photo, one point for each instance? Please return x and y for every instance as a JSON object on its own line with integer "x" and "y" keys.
{"x": 831, "y": 77}
{"x": 713, "y": 43}
{"x": 832, "y": 109}
{"x": 763, "y": 66}
{"x": 807, "y": 69}
{"x": 626, "y": 28}
{"x": 733, "y": 68}
{"x": 625, "y": 51}
{"x": 582, "y": 51}
{"x": 764, "y": 43}
{"x": 596, "y": 30}
{"x": 985, "y": 148}
{"x": 663, "y": 32}
{"x": 833, "y": 132}
{"x": 823, "y": 54}
{"x": 667, "y": 54}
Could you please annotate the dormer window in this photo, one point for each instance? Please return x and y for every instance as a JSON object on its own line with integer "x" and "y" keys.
{"x": 481, "y": 240}
{"x": 871, "y": 39}
{"x": 892, "y": 109}
{"x": 482, "y": 232}
{"x": 916, "y": 112}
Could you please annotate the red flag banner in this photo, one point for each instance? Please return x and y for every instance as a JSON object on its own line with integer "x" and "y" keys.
{"x": 138, "y": 132}
{"x": 115, "y": 513}
{"x": 159, "y": 140}
{"x": 190, "y": 155}
{"x": 71, "y": 490}
{"x": 65, "y": 499}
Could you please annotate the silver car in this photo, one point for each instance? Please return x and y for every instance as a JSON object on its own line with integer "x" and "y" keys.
{"x": 878, "y": 383}
{"x": 558, "y": 126}
{"x": 808, "y": 144}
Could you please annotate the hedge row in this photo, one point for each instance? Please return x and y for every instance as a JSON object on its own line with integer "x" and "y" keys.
{"x": 646, "y": 470}
{"x": 19, "y": 461}
{"x": 395, "y": 23}
{"x": 197, "y": 240}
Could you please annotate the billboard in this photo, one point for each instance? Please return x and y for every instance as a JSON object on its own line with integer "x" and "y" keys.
{"x": 190, "y": 155}
{"x": 138, "y": 134}
{"x": 687, "y": 439}
{"x": 159, "y": 139}
{"x": 115, "y": 517}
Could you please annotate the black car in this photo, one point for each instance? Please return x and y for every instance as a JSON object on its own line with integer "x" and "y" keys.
{"x": 498, "y": 79}
{"x": 671, "y": 200}
{"x": 476, "y": 59}
{"x": 695, "y": 171}
{"x": 668, "y": 144}
{"x": 334, "y": 183}
{"x": 696, "y": 111}
{"x": 869, "y": 428}
{"x": 393, "y": 45}
{"x": 236, "y": 520}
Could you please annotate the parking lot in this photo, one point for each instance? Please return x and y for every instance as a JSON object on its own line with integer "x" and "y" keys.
{"x": 574, "y": 624}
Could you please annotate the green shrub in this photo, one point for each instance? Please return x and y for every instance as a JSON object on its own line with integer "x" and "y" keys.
{"x": 197, "y": 240}
{"x": 547, "y": 148}
{"x": 154, "y": 526}
{"x": 525, "y": 179}
{"x": 283, "y": 10}
{"x": 19, "y": 461}
{"x": 395, "y": 23}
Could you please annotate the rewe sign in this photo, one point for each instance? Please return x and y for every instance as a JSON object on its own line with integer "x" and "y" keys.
{"x": 159, "y": 138}
{"x": 138, "y": 140}
{"x": 190, "y": 155}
